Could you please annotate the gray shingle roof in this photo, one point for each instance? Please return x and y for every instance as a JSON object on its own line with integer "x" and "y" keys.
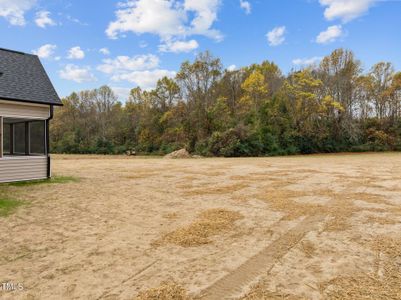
{"x": 23, "y": 78}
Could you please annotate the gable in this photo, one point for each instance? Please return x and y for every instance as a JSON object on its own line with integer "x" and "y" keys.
{"x": 23, "y": 78}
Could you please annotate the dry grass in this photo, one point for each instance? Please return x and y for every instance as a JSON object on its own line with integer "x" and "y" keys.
{"x": 381, "y": 284}
{"x": 282, "y": 199}
{"x": 339, "y": 210}
{"x": 209, "y": 223}
{"x": 171, "y": 216}
{"x": 216, "y": 190}
{"x": 168, "y": 290}
{"x": 368, "y": 197}
{"x": 140, "y": 175}
{"x": 372, "y": 219}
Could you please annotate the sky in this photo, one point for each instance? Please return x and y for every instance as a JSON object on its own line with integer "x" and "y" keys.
{"x": 124, "y": 44}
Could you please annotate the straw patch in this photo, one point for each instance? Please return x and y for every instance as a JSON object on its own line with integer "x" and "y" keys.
{"x": 209, "y": 223}
{"x": 340, "y": 213}
{"x": 204, "y": 173}
{"x": 250, "y": 178}
{"x": 282, "y": 200}
{"x": 216, "y": 190}
{"x": 166, "y": 291}
{"x": 141, "y": 175}
{"x": 369, "y": 198}
{"x": 383, "y": 283}
{"x": 171, "y": 216}
{"x": 371, "y": 219}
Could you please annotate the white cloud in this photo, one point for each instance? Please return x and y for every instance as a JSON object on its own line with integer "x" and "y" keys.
{"x": 306, "y": 61}
{"x": 123, "y": 64}
{"x": 43, "y": 19}
{"x": 246, "y": 6}
{"x": 142, "y": 70}
{"x": 75, "y": 20}
{"x": 232, "y": 68}
{"x": 77, "y": 74}
{"x": 14, "y": 10}
{"x": 104, "y": 51}
{"x": 45, "y": 51}
{"x": 171, "y": 20}
{"x": 179, "y": 46}
{"x": 205, "y": 15}
{"x": 276, "y": 36}
{"x": 144, "y": 79}
{"x": 76, "y": 53}
{"x": 121, "y": 92}
{"x": 143, "y": 44}
{"x": 346, "y": 10}
{"x": 330, "y": 35}
{"x": 159, "y": 17}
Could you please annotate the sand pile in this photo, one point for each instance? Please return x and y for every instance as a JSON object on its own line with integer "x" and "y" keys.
{"x": 183, "y": 153}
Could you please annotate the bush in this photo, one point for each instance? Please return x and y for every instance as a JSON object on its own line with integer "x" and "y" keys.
{"x": 238, "y": 141}
{"x": 104, "y": 146}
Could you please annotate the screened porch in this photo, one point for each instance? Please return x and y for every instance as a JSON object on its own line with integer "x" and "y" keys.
{"x": 22, "y": 137}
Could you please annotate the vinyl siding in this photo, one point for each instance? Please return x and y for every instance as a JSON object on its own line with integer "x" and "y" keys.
{"x": 23, "y": 168}
{"x": 23, "y": 110}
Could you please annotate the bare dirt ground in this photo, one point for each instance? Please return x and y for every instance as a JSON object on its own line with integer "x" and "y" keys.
{"x": 311, "y": 227}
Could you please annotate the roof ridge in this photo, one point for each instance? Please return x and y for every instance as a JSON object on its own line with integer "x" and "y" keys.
{"x": 13, "y": 51}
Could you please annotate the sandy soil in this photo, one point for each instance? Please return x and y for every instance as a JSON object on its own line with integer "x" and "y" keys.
{"x": 312, "y": 227}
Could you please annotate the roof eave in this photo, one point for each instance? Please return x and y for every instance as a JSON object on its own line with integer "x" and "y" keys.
{"x": 31, "y": 101}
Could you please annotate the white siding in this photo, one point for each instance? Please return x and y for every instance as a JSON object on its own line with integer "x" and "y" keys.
{"x": 23, "y": 168}
{"x": 24, "y": 110}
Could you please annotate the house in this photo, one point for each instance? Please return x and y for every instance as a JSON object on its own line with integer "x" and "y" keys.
{"x": 27, "y": 98}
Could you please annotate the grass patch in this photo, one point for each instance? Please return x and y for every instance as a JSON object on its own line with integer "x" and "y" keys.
{"x": 7, "y": 206}
{"x": 53, "y": 180}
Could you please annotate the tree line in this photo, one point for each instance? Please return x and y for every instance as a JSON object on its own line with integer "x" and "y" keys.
{"x": 254, "y": 111}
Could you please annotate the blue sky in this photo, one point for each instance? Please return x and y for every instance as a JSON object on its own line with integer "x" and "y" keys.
{"x": 85, "y": 44}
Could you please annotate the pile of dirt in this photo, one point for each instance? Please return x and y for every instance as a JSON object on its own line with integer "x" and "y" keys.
{"x": 183, "y": 153}
{"x": 209, "y": 223}
{"x": 166, "y": 291}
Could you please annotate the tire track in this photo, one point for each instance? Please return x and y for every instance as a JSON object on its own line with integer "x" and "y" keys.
{"x": 234, "y": 284}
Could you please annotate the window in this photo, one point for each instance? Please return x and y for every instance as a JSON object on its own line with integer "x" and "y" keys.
{"x": 37, "y": 137}
{"x": 6, "y": 140}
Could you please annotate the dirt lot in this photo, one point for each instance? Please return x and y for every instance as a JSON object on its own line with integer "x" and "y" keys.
{"x": 312, "y": 227}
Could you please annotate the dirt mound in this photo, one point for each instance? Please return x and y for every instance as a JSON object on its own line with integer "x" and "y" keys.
{"x": 183, "y": 153}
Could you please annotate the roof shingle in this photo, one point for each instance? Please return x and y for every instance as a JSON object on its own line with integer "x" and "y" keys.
{"x": 23, "y": 78}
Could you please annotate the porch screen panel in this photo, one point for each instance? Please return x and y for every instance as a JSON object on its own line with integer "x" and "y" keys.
{"x": 19, "y": 138}
{"x": 37, "y": 139}
{"x": 6, "y": 138}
